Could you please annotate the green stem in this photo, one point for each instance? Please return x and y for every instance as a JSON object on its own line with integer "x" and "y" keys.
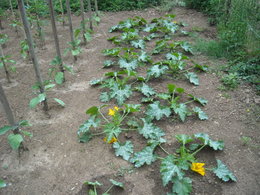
{"x": 103, "y": 116}
{"x": 128, "y": 129}
{"x": 109, "y": 189}
{"x": 164, "y": 149}
{"x": 95, "y": 190}
{"x": 188, "y": 102}
{"x": 100, "y": 133}
{"x": 161, "y": 158}
{"x": 194, "y": 153}
{"x": 186, "y": 70}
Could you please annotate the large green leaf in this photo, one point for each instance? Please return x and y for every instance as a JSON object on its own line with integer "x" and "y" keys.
{"x": 111, "y": 52}
{"x": 125, "y": 150}
{"x": 121, "y": 94}
{"x": 186, "y": 47}
{"x": 193, "y": 78}
{"x": 146, "y": 90}
{"x": 15, "y": 140}
{"x": 128, "y": 65}
{"x": 4, "y": 129}
{"x": 157, "y": 111}
{"x": 150, "y": 131}
{"x": 138, "y": 44}
{"x": 108, "y": 63}
{"x": 104, "y": 97}
{"x": 184, "y": 139}
{"x": 2, "y": 183}
{"x": 202, "y": 101}
{"x": 111, "y": 131}
{"x": 181, "y": 110}
{"x": 216, "y": 145}
{"x": 144, "y": 57}
{"x": 182, "y": 186}
{"x": 92, "y": 111}
{"x": 145, "y": 156}
{"x": 91, "y": 122}
{"x": 132, "y": 107}
{"x": 40, "y": 98}
{"x": 59, "y": 77}
{"x": 117, "y": 183}
{"x": 159, "y": 47}
{"x": 201, "y": 114}
{"x": 156, "y": 71}
{"x": 59, "y": 102}
{"x": 170, "y": 169}
{"x": 223, "y": 172}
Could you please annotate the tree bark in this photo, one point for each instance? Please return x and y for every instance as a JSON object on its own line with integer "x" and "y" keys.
{"x": 62, "y": 12}
{"x": 1, "y": 25}
{"x": 6, "y": 106}
{"x": 14, "y": 18}
{"x": 31, "y": 50}
{"x": 83, "y": 21}
{"x": 96, "y": 8}
{"x": 90, "y": 15}
{"x": 70, "y": 25}
{"x": 55, "y": 34}
{"x": 4, "y": 64}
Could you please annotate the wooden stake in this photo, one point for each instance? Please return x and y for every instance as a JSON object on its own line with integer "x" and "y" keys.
{"x": 31, "y": 50}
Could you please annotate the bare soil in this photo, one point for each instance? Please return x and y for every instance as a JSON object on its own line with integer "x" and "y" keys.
{"x": 57, "y": 163}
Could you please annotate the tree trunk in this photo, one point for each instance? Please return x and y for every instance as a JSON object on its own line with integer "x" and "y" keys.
{"x": 90, "y": 15}
{"x": 83, "y": 21}
{"x": 6, "y": 106}
{"x": 31, "y": 49}
{"x": 56, "y": 38}
{"x": 96, "y": 8}
{"x": 39, "y": 28}
{"x": 62, "y": 13}
{"x": 1, "y": 25}
{"x": 70, "y": 25}
{"x": 14, "y": 18}
{"x": 4, "y": 64}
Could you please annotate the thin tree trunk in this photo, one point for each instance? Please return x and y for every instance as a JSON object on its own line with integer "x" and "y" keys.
{"x": 39, "y": 28}
{"x": 6, "y": 106}
{"x": 14, "y": 18}
{"x": 90, "y": 15}
{"x": 4, "y": 64}
{"x": 83, "y": 21}
{"x": 62, "y": 13}
{"x": 96, "y": 7}
{"x": 70, "y": 26}
{"x": 31, "y": 49}
{"x": 56, "y": 38}
{"x": 1, "y": 25}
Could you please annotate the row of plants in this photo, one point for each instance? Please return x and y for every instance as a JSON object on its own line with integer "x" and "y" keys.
{"x": 32, "y": 22}
{"x": 144, "y": 53}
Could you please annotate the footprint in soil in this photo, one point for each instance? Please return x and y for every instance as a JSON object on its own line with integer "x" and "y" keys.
{"x": 106, "y": 184}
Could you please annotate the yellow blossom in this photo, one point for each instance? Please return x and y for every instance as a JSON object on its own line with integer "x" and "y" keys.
{"x": 111, "y": 141}
{"x": 111, "y": 112}
{"x": 116, "y": 108}
{"x": 198, "y": 167}
{"x": 175, "y": 22}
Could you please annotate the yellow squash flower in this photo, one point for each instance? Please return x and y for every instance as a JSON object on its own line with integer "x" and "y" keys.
{"x": 116, "y": 108}
{"x": 111, "y": 112}
{"x": 198, "y": 167}
{"x": 111, "y": 141}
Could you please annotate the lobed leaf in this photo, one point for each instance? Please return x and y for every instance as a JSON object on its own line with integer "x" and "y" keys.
{"x": 143, "y": 157}
{"x": 125, "y": 150}
{"x": 182, "y": 186}
{"x": 150, "y": 131}
{"x": 157, "y": 111}
{"x": 193, "y": 78}
{"x": 223, "y": 173}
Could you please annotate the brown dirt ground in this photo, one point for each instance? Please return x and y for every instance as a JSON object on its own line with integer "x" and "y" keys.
{"x": 57, "y": 163}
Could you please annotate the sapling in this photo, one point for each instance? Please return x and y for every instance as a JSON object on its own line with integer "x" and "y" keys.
{"x": 56, "y": 39}
{"x": 74, "y": 44}
{"x": 4, "y": 59}
{"x": 83, "y": 25}
{"x": 32, "y": 53}
{"x": 90, "y": 15}
{"x": 15, "y": 138}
